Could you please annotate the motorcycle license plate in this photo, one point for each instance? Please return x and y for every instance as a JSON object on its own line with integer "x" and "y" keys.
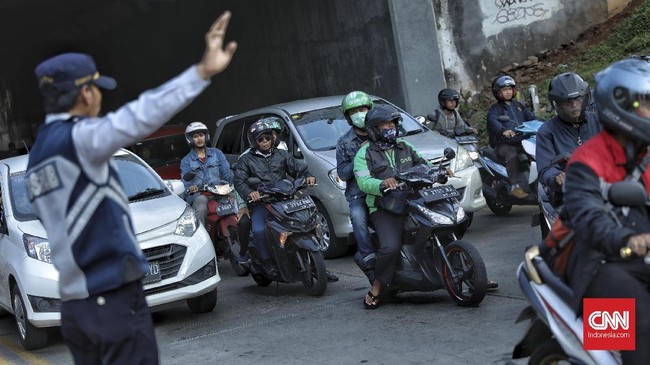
{"x": 298, "y": 204}
{"x": 439, "y": 193}
{"x": 225, "y": 209}
{"x": 153, "y": 275}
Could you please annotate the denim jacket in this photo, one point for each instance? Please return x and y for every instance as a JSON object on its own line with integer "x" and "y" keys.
{"x": 215, "y": 168}
{"x": 346, "y": 149}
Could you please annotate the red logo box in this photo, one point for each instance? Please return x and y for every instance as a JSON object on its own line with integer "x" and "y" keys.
{"x": 609, "y": 324}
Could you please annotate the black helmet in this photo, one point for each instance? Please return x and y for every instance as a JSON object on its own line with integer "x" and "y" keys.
{"x": 447, "y": 94}
{"x": 196, "y": 127}
{"x": 379, "y": 114}
{"x": 567, "y": 86}
{"x": 257, "y": 129}
{"x": 501, "y": 82}
{"x": 619, "y": 90}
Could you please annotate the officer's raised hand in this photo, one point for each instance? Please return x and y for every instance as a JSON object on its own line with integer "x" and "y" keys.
{"x": 216, "y": 57}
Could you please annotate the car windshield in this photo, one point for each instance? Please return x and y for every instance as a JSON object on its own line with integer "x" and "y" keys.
{"x": 136, "y": 180}
{"x": 163, "y": 150}
{"x": 321, "y": 129}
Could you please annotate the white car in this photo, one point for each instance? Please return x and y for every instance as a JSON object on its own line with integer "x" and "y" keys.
{"x": 182, "y": 263}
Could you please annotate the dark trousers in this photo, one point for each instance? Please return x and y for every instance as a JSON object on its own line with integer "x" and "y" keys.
{"x": 244, "y": 227}
{"x": 507, "y": 153}
{"x": 111, "y": 328}
{"x": 630, "y": 279}
{"x": 359, "y": 218}
{"x": 388, "y": 227}
{"x": 259, "y": 214}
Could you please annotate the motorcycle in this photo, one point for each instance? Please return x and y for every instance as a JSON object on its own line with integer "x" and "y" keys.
{"x": 431, "y": 257}
{"x": 294, "y": 236}
{"x": 221, "y": 222}
{"x": 554, "y": 332}
{"x": 549, "y": 202}
{"x": 496, "y": 185}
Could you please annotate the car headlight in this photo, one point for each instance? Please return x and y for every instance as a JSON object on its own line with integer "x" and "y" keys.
{"x": 463, "y": 160}
{"x": 187, "y": 224}
{"x": 435, "y": 217}
{"x": 336, "y": 180}
{"x": 37, "y": 248}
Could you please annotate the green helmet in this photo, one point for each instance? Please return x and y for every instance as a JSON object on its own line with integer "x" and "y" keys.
{"x": 353, "y": 100}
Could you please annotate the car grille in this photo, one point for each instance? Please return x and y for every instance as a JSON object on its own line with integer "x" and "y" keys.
{"x": 169, "y": 257}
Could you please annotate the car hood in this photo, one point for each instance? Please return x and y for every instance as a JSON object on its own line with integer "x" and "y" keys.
{"x": 429, "y": 144}
{"x": 168, "y": 209}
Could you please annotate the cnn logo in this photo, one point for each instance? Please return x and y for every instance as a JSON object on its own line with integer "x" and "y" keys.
{"x": 609, "y": 323}
{"x": 605, "y": 320}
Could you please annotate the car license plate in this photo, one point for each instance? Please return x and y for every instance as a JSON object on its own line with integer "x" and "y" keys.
{"x": 153, "y": 275}
{"x": 439, "y": 193}
{"x": 298, "y": 204}
{"x": 225, "y": 209}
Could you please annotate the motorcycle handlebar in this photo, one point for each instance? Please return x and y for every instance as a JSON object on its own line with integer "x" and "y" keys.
{"x": 399, "y": 185}
{"x": 627, "y": 252}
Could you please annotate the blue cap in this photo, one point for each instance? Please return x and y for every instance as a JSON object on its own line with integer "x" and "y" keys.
{"x": 69, "y": 71}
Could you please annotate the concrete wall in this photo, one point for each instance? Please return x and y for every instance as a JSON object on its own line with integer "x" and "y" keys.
{"x": 479, "y": 37}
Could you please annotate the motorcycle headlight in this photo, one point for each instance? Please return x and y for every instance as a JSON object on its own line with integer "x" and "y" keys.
{"x": 334, "y": 177}
{"x": 37, "y": 248}
{"x": 463, "y": 160}
{"x": 460, "y": 213}
{"x": 435, "y": 217}
{"x": 473, "y": 155}
{"x": 224, "y": 189}
{"x": 187, "y": 224}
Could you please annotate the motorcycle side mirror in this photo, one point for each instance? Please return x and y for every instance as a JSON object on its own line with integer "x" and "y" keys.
{"x": 421, "y": 119}
{"x": 627, "y": 194}
{"x": 503, "y": 118}
{"x": 449, "y": 153}
{"x": 189, "y": 176}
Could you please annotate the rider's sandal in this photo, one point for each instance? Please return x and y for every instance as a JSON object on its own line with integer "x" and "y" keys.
{"x": 374, "y": 301}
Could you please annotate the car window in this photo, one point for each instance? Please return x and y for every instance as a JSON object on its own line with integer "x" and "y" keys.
{"x": 163, "y": 150}
{"x": 134, "y": 177}
{"x": 230, "y": 139}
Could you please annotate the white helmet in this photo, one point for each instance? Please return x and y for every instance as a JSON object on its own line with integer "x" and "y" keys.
{"x": 195, "y": 127}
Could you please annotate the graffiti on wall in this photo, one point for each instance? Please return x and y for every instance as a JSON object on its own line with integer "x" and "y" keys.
{"x": 501, "y": 14}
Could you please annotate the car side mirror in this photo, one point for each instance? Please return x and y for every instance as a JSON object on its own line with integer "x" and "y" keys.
{"x": 297, "y": 153}
{"x": 175, "y": 186}
{"x": 627, "y": 194}
{"x": 421, "y": 119}
{"x": 449, "y": 153}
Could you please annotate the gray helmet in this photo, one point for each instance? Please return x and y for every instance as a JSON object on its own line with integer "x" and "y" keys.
{"x": 196, "y": 127}
{"x": 379, "y": 114}
{"x": 567, "y": 86}
{"x": 276, "y": 124}
{"x": 619, "y": 89}
{"x": 257, "y": 129}
{"x": 501, "y": 82}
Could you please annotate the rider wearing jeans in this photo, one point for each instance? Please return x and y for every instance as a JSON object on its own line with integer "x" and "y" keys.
{"x": 355, "y": 106}
{"x": 595, "y": 268}
{"x": 375, "y": 166}
{"x": 502, "y": 134}
{"x": 266, "y": 164}
{"x": 570, "y": 128}
{"x": 209, "y": 166}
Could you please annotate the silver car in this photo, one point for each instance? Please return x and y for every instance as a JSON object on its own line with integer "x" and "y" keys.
{"x": 311, "y": 132}
{"x": 182, "y": 263}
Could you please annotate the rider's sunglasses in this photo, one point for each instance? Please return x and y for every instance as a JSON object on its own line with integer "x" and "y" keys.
{"x": 264, "y": 138}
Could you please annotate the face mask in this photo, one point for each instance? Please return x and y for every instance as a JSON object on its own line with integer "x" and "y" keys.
{"x": 387, "y": 135}
{"x": 359, "y": 120}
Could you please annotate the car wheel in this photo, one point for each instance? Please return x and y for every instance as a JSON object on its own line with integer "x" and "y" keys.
{"x": 203, "y": 303}
{"x": 335, "y": 247}
{"x": 31, "y": 337}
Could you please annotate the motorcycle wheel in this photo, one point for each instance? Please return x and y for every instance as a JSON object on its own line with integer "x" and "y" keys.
{"x": 262, "y": 280}
{"x": 497, "y": 207}
{"x": 548, "y": 353}
{"x": 240, "y": 270}
{"x": 470, "y": 285}
{"x": 315, "y": 277}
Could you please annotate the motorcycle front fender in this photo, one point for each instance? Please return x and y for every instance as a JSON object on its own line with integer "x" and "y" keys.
{"x": 225, "y": 222}
{"x": 305, "y": 241}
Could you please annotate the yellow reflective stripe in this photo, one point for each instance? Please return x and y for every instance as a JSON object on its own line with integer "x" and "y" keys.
{"x": 362, "y": 173}
{"x": 85, "y": 79}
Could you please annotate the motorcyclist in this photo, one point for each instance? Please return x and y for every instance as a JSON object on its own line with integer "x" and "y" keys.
{"x": 502, "y": 134}
{"x": 446, "y": 119}
{"x": 208, "y": 164}
{"x": 268, "y": 165}
{"x": 569, "y": 95}
{"x": 355, "y": 106}
{"x": 375, "y": 166}
{"x": 595, "y": 269}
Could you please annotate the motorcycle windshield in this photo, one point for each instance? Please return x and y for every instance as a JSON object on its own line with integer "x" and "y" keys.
{"x": 281, "y": 187}
{"x": 422, "y": 172}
